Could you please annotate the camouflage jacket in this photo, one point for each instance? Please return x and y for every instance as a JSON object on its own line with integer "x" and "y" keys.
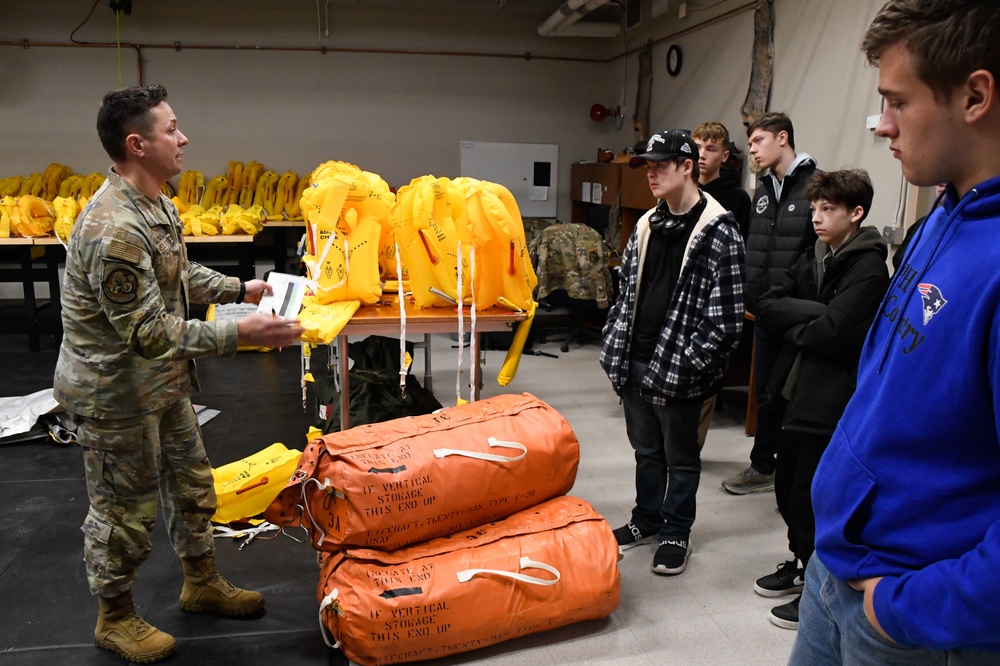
{"x": 128, "y": 343}
{"x": 572, "y": 257}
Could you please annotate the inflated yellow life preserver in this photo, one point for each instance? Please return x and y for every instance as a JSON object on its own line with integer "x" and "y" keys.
{"x": 10, "y": 186}
{"x": 415, "y": 257}
{"x": 32, "y": 216}
{"x": 285, "y": 195}
{"x": 200, "y": 222}
{"x": 70, "y": 187}
{"x": 235, "y": 220}
{"x": 7, "y": 206}
{"x": 66, "y": 210}
{"x": 321, "y": 322}
{"x": 215, "y": 192}
{"x": 32, "y": 185}
{"x": 519, "y": 279}
{"x": 344, "y": 265}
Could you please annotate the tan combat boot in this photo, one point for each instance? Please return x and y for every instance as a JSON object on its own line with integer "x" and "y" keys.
{"x": 206, "y": 591}
{"x": 121, "y": 630}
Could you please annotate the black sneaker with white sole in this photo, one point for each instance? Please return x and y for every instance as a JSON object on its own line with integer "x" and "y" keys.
{"x": 786, "y": 616}
{"x": 671, "y": 557}
{"x": 788, "y": 579}
{"x": 630, "y": 536}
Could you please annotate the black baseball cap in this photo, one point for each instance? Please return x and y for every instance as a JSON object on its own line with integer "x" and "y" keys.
{"x": 666, "y": 145}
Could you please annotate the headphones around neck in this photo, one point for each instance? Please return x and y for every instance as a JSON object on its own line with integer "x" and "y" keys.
{"x": 669, "y": 224}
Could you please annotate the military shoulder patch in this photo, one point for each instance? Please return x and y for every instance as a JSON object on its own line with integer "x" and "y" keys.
{"x": 123, "y": 251}
{"x": 121, "y": 284}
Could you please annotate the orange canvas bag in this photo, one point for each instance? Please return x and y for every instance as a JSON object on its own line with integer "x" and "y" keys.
{"x": 546, "y": 567}
{"x": 386, "y": 485}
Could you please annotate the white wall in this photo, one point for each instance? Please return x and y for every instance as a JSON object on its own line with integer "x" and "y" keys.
{"x": 402, "y": 115}
{"x": 820, "y": 80}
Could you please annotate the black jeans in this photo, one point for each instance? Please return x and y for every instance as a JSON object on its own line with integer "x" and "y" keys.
{"x": 771, "y": 412}
{"x": 667, "y": 461}
{"x": 797, "y": 460}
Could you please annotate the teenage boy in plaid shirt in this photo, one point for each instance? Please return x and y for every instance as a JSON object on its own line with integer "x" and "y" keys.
{"x": 667, "y": 340}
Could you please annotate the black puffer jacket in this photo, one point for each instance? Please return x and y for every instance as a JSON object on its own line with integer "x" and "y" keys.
{"x": 823, "y": 316}
{"x": 780, "y": 231}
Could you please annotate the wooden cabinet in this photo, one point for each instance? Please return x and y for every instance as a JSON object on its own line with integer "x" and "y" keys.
{"x": 636, "y": 200}
{"x": 596, "y": 186}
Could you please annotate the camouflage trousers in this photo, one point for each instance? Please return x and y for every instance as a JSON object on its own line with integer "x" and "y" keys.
{"x": 130, "y": 464}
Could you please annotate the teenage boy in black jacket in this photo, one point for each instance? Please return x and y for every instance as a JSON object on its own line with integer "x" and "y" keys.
{"x": 781, "y": 230}
{"x": 821, "y": 311}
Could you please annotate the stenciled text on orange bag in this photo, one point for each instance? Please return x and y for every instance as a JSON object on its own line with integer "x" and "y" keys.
{"x": 390, "y": 484}
{"x": 548, "y": 566}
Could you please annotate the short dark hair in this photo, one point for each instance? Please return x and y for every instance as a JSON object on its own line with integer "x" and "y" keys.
{"x": 849, "y": 188}
{"x": 679, "y": 161}
{"x": 774, "y": 122}
{"x": 947, "y": 39}
{"x": 125, "y": 111}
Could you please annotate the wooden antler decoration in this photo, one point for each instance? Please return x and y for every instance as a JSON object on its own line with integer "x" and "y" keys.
{"x": 640, "y": 120}
{"x": 763, "y": 62}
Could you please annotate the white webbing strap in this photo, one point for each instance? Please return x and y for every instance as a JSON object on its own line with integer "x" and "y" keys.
{"x": 326, "y": 250}
{"x": 461, "y": 326}
{"x": 491, "y": 457}
{"x": 473, "y": 349}
{"x": 226, "y": 532}
{"x": 328, "y": 600}
{"x": 327, "y": 486}
{"x": 466, "y": 575}
{"x": 402, "y": 324}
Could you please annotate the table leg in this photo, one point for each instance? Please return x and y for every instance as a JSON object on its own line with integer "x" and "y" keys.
{"x": 345, "y": 390}
{"x": 247, "y": 268}
{"x": 280, "y": 249}
{"x": 475, "y": 372}
{"x": 30, "y": 308}
{"x": 55, "y": 288}
{"x": 428, "y": 380}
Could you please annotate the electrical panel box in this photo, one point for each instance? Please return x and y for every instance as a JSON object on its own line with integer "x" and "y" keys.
{"x": 893, "y": 235}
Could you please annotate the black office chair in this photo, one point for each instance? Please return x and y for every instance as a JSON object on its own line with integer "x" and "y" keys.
{"x": 571, "y": 263}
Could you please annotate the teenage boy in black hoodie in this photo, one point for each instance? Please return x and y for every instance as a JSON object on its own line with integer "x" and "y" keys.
{"x": 821, "y": 311}
{"x": 714, "y": 150}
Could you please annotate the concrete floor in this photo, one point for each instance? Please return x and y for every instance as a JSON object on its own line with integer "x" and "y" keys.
{"x": 707, "y": 615}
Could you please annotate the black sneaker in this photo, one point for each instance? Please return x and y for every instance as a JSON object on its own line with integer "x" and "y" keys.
{"x": 671, "y": 557}
{"x": 630, "y": 536}
{"x": 788, "y": 579}
{"x": 786, "y": 616}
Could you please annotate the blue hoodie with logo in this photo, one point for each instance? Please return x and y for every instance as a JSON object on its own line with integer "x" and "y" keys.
{"x": 909, "y": 487}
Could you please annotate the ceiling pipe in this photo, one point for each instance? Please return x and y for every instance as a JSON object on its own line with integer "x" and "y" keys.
{"x": 563, "y": 21}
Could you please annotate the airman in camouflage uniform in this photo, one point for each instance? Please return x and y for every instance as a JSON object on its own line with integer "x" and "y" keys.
{"x": 572, "y": 257}
{"x": 126, "y": 369}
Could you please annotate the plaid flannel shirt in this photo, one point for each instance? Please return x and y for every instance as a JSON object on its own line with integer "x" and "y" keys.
{"x": 705, "y": 318}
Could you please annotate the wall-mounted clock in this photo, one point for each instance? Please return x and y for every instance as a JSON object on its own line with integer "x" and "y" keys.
{"x": 675, "y": 58}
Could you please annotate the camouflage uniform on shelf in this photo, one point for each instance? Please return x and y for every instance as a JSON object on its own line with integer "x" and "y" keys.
{"x": 126, "y": 368}
{"x": 572, "y": 257}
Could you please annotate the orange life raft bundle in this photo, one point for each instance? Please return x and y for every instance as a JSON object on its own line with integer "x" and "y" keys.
{"x": 545, "y": 567}
{"x": 386, "y": 485}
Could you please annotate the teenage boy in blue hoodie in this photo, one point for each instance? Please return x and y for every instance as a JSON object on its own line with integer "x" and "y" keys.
{"x": 907, "y": 495}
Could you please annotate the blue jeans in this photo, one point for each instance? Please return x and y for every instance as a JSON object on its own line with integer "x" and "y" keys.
{"x": 667, "y": 461}
{"x": 833, "y": 629}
